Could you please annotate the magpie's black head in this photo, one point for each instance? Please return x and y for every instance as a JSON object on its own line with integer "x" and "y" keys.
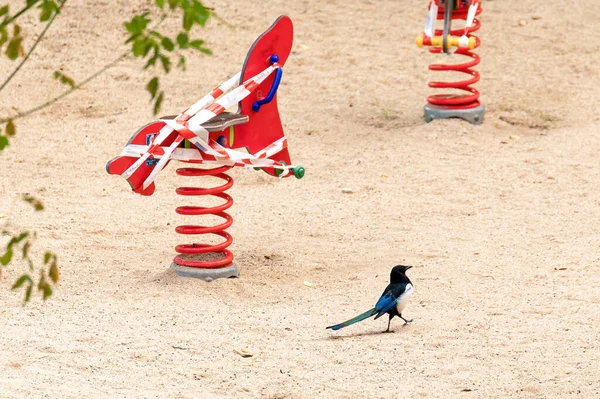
{"x": 398, "y": 273}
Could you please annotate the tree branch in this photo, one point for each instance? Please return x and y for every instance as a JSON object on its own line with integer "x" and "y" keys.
{"x": 34, "y": 46}
{"x": 17, "y": 15}
{"x": 66, "y": 93}
{"x": 4, "y": 120}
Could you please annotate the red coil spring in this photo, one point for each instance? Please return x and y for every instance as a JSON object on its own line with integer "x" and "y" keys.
{"x": 193, "y": 249}
{"x": 453, "y": 101}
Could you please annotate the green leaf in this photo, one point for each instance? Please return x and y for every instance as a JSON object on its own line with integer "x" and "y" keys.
{"x": 138, "y": 24}
{"x": 140, "y": 47}
{"x": 201, "y": 13}
{"x": 47, "y": 257}
{"x": 206, "y": 51}
{"x": 44, "y": 286}
{"x": 64, "y": 79}
{"x": 168, "y": 44}
{"x": 151, "y": 44}
{"x": 10, "y": 128}
{"x": 197, "y": 44}
{"x": 166, "y": 63}
{"x": 158, "y": 102}
{"x": 42, "y": 281}
{"x": 151, "y": 62}
{"x": 3, "y": 36}
{"x": 6, "y": 258}
{"x": 152, "y": 87}
{"x": 188, "y": 20}
{"x": 21, "y": 281}
{"x": 3, "y": 10}
{"x": 47, "y": 291}
{"x": 48, "y": 7}
{"x": 130, "y": 28}
{"x": 12, "y": 50}
{"x": 181, "y": 63}
{"x": 156, "y": 34}
{"x": 174, "y": 3}
{"x": 160, "y": 3}
{"x": 3, "y": 142}
{"x": 19, "y": 238}
{"x": 26, "y": 247}
{"x": 37, "y": 204}
{"x": 28, "y": 293}
{"x": 183, "y": 40}
{"x": 45, "y": 14}
{"x": 54, "y": 273}
{"x": 16, "y": 30}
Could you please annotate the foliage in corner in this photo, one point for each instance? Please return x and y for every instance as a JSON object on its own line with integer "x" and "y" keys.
{"x": 156, "y": 48}
{"x": 10, "y": 31}
{"x": 21, "y": 243}
{"x": 11, "y": 45}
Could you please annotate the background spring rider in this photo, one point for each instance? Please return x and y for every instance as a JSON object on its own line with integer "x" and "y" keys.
{"x": 206, "y": 134}
{"x": 465, "y": 106}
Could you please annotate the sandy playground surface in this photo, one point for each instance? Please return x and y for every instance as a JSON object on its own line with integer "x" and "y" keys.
{"x": 503, "y": 232}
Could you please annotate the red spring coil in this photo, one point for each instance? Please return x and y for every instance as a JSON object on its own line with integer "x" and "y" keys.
{"x": 194, "y": 249}
{"x": 453, "y": 101}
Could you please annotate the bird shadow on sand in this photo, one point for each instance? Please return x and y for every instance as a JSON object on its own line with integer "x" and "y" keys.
{"x": 398, "y": 330}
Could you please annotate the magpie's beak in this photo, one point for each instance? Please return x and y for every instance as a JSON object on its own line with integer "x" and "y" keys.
{"x": 408, "y": 267}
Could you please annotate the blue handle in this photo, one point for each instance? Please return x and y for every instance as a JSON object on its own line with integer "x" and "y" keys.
{"x": 278, "y": 74}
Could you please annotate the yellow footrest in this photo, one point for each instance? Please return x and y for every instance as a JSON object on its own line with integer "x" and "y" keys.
{"x": 453, "y": 41}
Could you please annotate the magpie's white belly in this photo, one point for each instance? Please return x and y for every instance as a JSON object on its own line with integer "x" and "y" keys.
{"x": 403, "y": 300}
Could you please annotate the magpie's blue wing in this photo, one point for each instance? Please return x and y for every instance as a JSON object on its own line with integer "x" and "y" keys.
{"x": 389, "y": 298}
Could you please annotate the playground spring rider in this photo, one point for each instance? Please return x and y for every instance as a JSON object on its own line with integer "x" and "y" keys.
{"x": 206, "y": 134}
{"x": 466, "y": 106}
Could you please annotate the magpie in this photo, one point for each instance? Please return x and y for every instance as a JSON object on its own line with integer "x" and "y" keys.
{"x": 392, "y": 301}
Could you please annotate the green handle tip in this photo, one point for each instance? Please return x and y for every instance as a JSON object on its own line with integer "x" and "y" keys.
{"x": 299, "y": 172}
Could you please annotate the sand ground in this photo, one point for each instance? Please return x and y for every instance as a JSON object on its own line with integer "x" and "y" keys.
{"x": 503, "y": 232}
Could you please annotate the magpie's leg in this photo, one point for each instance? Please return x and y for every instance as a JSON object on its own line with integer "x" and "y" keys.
{"x": 389, "y": 321}
{"x": 406, "y": 321}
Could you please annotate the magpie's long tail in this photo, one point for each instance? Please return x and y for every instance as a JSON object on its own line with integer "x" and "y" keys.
{"x": 356, "y": 319}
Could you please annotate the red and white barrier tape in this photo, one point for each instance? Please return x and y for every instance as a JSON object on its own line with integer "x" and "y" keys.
{"x": 229, "y": 157}
{"x": 188, "y": 125}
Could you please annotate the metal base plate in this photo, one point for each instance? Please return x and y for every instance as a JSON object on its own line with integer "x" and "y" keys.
{"x": 207, "y": 275}
{"x": 472, "y": 115}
